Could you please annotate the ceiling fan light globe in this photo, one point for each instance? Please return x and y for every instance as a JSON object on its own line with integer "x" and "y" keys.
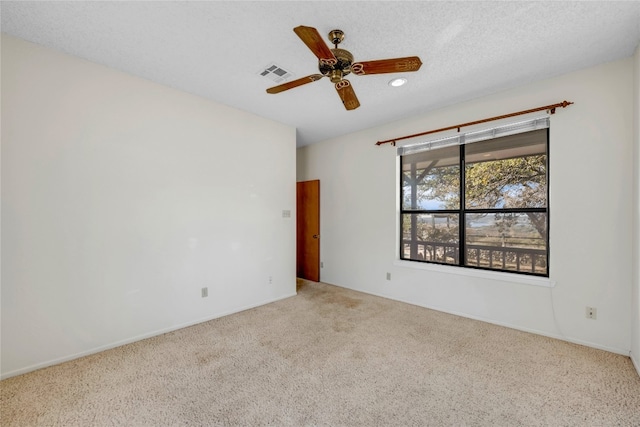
{"x": 335, "y": 76}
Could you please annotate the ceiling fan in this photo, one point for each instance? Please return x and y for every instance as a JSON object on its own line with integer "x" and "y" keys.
{"x": 337, "y": 63}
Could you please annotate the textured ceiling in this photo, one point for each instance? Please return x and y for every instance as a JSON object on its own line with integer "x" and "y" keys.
{"x": 216, "y": 49}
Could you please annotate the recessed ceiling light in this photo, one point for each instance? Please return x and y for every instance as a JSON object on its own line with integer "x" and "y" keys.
{"x": 397, "y": 82}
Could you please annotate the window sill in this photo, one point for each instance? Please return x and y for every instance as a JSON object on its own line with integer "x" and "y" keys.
{"x": 484, "y": 274}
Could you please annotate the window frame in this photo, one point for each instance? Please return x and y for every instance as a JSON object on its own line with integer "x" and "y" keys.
{"x": 462, "y": 211}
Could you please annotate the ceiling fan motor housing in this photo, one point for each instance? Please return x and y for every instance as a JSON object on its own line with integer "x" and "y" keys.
{"x": 341, "y": 68}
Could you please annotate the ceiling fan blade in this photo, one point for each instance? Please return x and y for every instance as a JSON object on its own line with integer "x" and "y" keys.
{"x": 382, "y": 66}
{"x": 313, "y": 40}
{"x": 347, "y": 95}
{"x": 295, "y": 83}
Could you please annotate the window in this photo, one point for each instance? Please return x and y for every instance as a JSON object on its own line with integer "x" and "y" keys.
{"x": 478, "y": 205}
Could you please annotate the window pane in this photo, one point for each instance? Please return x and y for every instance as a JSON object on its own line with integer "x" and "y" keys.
{"x": 431, "y": 179}
{"x": 507, "y": 172}
{"x": 507, "y": 241}
{"x": 427, "y": 237}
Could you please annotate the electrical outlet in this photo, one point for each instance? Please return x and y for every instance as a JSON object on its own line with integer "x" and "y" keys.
{"x": 271, "y": 280}
{"x": 591, "y": 313}
{"x": 321, "y": 264}
{"x": 388, "y": 276}
{"x": 205, "y": 292}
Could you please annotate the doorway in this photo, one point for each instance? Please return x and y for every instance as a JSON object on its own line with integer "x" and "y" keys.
{"x": 308, "y": 230}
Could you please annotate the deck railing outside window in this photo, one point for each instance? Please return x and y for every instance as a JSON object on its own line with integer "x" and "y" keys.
{"x": 522, "y": 260}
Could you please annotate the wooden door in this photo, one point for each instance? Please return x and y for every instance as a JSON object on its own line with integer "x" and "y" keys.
{"x": 308, "y": 230}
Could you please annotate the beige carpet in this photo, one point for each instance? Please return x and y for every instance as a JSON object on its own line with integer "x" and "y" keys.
{"x": 333, "y": 357}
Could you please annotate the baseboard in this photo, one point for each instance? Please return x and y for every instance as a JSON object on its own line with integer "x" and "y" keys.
{"x": 136, "y": 338}
{"x": 624, "y": 352}
{"x": 635, "y": 362}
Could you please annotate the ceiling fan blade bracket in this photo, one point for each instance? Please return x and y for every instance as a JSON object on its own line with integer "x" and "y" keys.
{"x": 357, "y": 69}
{"x": 342, "y": 84}
{"x": 328, "y": 61}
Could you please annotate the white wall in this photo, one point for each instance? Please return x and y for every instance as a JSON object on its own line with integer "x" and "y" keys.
{"x": 121, "y": 199}
{"x": 591, "y": 189}
{"x": 635, "y": 312}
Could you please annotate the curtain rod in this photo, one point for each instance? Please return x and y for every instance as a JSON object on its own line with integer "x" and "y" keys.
{"x": 550, "y": 108}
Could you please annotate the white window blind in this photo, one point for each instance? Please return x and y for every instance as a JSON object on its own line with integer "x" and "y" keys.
{"x": 477, "y": 135}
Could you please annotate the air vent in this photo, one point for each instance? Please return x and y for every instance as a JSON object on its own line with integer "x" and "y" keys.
{"x": 275, "y": 73}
